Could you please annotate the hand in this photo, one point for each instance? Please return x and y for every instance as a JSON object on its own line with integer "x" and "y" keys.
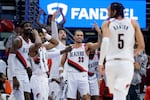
{"x": 137, "y": 65}
{"x": 101, "y": 70}
{"x": 61, "y": 72}
{"x": 54, "y": 15}
{"x": 67, "y": 49}
{"x": 60, "y": 10}
{"x": 97, "y": 28}
{"x": 16, "y": 83}
{"x": 34, "y": 32}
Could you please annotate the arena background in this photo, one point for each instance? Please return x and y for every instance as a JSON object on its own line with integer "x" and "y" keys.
{"x": 79, "y": 15}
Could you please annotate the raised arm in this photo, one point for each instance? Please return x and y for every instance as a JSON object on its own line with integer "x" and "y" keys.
{"x": 97, "y": 44}
{"x": 38, "y": 18}
{"x": 37, "y": 44}
{"x": 64, "y": 19}
{"x": 52, "y": 43}
{"x": 54, "y": 27}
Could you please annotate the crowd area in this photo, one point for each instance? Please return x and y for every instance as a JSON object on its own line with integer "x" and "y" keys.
{"x": 40, "y": 66}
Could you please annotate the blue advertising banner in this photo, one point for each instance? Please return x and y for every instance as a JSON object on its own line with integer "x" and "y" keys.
{"x": 83, "y": 13}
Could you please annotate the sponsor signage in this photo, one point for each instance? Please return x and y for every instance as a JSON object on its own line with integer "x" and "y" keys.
{"x": 83, "y": 13}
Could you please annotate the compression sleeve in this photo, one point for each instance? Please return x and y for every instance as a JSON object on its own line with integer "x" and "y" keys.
{"x": 104, "y": 49}
{"x": 54, "y": 29}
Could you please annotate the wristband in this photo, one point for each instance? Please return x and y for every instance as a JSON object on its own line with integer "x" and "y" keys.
{"x": 48, "y": 37}
{"x": 61, "y": 69}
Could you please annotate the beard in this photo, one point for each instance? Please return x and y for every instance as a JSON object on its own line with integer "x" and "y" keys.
{"x": 27, "y": 32}
{"x": 64, "y": 38}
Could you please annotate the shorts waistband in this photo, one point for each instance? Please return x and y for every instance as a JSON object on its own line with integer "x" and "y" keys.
{"x": 118, "y": 59}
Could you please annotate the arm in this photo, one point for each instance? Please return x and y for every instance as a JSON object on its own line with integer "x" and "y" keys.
{"x": 64, "y": 19}
{"x": 104, "y": 46}
{"x": 97, "y": 44}
{"x": 66, "y": 50}
{"x": 38, "y": 18}
{"x": 51, "y": 54}
{"x": 38, "y": 42}
{"x": 17, "y": 43}
{"x": 53, "y": 43}
{"x": 63, "y": 60}
{"x": 54, "y": 27}
{"x": 58, "y": 52}
{"x": 139, "y": 38}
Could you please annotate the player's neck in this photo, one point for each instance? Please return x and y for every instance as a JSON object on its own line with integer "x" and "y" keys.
{"x": 77, "y": 44}
{"x": 119, "y": 18}
{"x": 26, "y": 38}
{"x": 63, "y": 42}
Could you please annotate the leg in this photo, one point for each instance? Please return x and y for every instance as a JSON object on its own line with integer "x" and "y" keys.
{"x": 83, "y": 86}
{"x": 119, "y": 95}
{"x": 78, "y": 96}
{"x": 86, "y": 97}
{"x": 27, "y": 95}
{"x": 70, "y": 99}
{"x": 123, "y": 80}
{"x": 94, "y": 88}
{"x": 94, "y": 97}
{"x": 18, "y": 95}
{"x": 72, "y": 86}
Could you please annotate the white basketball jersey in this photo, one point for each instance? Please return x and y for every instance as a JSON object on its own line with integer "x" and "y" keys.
{"x": 23, "y": 50}
{"x": 79, "y": 57}
{"x": 40, "y": 66}
{"x": 93, "y": 63}
{"x": 122, "y": 39}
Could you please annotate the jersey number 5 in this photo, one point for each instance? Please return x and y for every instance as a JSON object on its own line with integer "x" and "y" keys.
{"x": 120, "y": 41}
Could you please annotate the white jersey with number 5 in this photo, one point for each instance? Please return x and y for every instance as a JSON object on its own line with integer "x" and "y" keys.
{"x": 122, "y": 39}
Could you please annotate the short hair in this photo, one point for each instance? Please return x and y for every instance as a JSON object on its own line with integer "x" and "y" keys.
{"x": 61, "y": 29}
{"x": 23, "y": 23}
{"x": 42, "y": 30}
{"x": 78, "y": 30}
{"x": 119, "y": 9}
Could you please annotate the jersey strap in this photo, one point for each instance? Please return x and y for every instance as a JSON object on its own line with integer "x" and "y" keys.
{"x": 78, "y": 67}
{"x": 21, "y": 59}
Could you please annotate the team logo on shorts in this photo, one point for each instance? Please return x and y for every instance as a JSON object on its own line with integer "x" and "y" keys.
{"x": 52, "y": 7}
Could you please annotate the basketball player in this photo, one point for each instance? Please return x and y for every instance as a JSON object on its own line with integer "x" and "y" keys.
{"x": 77, "y": 68}
{"x": 40, "y": 74}
{"x": 18, "y": 62}
{"x": 119, "y": 35}
{"x": 92, "y": 70}
{"x": 54, "y": 73}
{"x": 40, "y": 67}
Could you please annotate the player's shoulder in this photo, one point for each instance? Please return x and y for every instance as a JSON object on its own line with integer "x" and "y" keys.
{"x": 18, "y": 39}
{"x": 107, "y": 22}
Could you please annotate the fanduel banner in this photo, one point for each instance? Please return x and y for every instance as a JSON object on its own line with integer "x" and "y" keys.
{"x": 83, "y": 13}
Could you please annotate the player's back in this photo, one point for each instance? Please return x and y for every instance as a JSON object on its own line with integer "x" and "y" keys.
{"x": 122, "y": 39}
